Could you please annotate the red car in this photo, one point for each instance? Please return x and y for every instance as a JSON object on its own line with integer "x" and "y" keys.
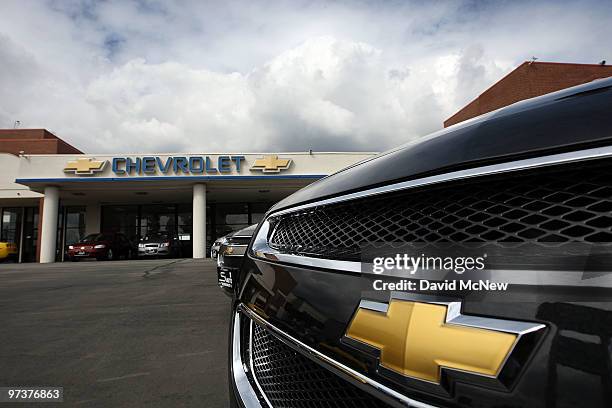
{"x": 105, "y": 246}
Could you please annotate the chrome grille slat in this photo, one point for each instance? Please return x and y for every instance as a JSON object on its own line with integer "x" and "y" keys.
{"x": 290, "y": 380}
{"x": 562, "y": 204}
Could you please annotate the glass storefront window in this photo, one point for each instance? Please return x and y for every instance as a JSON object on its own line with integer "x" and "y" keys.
{"x": 11, "y": 228}
{"x": 258, "y": 210}
{"x": 230, "y": 217}
{"x": 185, "y": 228}
{"x": 75, "y": 224}
{"x": 185, "y": 221}
{"x": 121, "y": 218}
{"x": 11, "y": 225}
{"x": 30, "y": 234}
{"x": 157, "y": 218}
{"x": 136, "y": 221}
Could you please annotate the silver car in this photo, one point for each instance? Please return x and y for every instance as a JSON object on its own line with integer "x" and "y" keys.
{"x": 214, "y": 249}
{"x": 159, "y": 244}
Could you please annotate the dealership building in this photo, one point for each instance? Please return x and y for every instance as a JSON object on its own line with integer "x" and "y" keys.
{"x": 51, "y": 198}
{"x": 51, "y": 194}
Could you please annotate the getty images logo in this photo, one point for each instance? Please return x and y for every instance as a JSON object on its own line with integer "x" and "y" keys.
{"x": 412, "y": 264}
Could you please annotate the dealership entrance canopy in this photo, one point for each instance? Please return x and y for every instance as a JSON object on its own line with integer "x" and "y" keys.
{"x": 50, "y": 201}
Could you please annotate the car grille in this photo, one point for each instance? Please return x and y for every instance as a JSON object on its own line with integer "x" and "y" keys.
{"x": 290, "y": 380}
{"x": 563, "y": 204}
{"x": 239, "y": 240}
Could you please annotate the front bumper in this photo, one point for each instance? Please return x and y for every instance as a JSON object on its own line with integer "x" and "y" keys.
{"x": 153, "y": 251}
{"x": 87, "y": 253}
{"x": 241, "y": 389}
{"x": 344, "y": 383}
{"x": 312, "y": 308}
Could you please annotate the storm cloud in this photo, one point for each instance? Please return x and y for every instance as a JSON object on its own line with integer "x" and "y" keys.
{"x": 135, "y": 76}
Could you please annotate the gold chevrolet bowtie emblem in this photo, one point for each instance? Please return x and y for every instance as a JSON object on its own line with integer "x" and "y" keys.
{"x": 418, "y": 339}
{"x": 271, "y": 164}
{"x": 84, "y": 167}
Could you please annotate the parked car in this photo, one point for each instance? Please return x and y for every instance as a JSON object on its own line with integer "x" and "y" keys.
{"x": 533, "y": 179}
{"x": 160, "y": 243}
{"x": 232, "y": 249}
{"x": 102, "y": 246}
{"x": 8, "y": 251}
{"x": 214, "y": 248}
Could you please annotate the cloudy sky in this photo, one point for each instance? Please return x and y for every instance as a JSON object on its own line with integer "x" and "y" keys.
{"x": 205, "y": 76}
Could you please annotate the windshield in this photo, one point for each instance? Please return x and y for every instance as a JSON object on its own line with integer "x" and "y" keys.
{"x": 96, "y": 237}
{"x": 246, "y": 232}
{"x": 157, "y": 236}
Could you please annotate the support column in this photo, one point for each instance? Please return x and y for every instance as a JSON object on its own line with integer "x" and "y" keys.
{"x": 198, "y": 238}
{"x": 92, "y": 219}
{"x": 49, "y": 225}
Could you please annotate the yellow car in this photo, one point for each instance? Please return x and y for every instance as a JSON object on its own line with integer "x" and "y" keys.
{"x": 7, "y": 250}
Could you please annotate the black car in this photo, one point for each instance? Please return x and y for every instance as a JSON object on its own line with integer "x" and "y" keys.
{"x": 230, "y": 254}
{"x": 527, "y": 188}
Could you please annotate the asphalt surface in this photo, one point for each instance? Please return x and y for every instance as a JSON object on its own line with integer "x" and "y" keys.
{"x": 116, "y": 334}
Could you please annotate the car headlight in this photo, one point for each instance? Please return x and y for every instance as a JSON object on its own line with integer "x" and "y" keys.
{"x": 165, "y": 244}
{"x": 259, "y": 244}
{"x": 101, "y": 246}
{"x": 70, "y": 246}
{"x": 141, "y": 245}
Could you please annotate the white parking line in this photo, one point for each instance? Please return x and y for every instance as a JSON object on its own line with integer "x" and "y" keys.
{"x": 123, "y": 377}
{"x": 200, "y": 353}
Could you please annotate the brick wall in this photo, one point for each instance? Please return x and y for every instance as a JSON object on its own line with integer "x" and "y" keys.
{"x": 33, "y": 141}
{"x": 529, "y": 80}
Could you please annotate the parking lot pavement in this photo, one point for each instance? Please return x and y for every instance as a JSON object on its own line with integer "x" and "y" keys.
{"x": 125, "y": 333}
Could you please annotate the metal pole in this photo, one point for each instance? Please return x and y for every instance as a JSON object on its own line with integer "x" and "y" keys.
{"x": 21, "y": 233}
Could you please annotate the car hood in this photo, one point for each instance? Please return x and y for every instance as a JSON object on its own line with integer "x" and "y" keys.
{"x": 566, "y": 120}
{"x": 91, "y": 243}
{"x": 245, "y": 232}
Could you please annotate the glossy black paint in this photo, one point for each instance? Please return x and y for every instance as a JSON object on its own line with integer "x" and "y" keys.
{"x": 561, "y": 121}
{"x": 228, "y": 266}
{"x": 568, "y": 363}
{"x": 316, "y": 307}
